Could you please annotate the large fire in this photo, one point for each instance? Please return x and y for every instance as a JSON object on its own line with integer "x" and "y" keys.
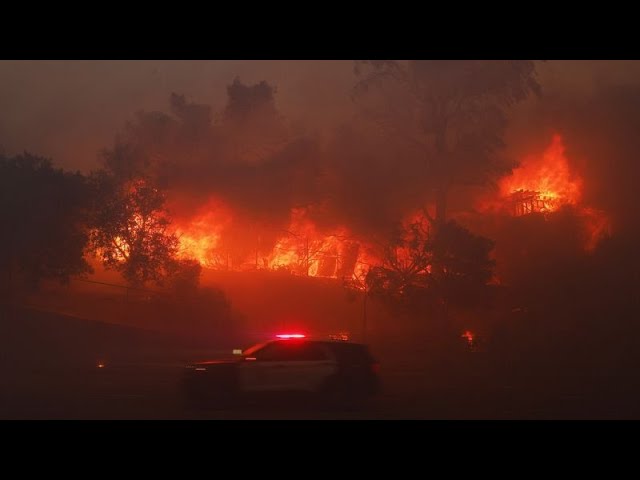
{"x": 299, "y": 249}
{"x": 545, "y": 183}
{"x": 542, "y": 184}
{"x": 200, "y": 238}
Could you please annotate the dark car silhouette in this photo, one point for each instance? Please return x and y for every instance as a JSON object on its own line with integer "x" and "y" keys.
{"x": 336, "y": 372}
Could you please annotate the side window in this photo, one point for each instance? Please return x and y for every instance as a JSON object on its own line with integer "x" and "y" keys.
{"x": 348, "y": 354}
{"x": 313, "y": 352}
{"x": 291, "y": 351}
{"x": 274, "y": 352}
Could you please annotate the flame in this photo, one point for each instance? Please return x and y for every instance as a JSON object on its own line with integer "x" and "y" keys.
{"x": 122, "y": 247}
{"x": 299, "y": 249}
{"x": 545, "y": 183}
{"x": 200, "y": 237}
{"x": 304, "y": 250}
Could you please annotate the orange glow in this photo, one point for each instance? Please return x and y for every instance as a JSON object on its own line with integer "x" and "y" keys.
{"x": 300, "y": 249}
{"x": 199, "y": 238}
{"x": 100, "y": 365}
{"x": 304, "y": 250}
{"x": 121, "y": 247}
{"x": 286, "y": 336}
{"x": 543, "y": 183}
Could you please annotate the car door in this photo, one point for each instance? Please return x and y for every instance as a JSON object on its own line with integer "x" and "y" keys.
{"x": 308, "y": 368}
{"x": 263, "y": 370}
{"x": 286, "y": 365}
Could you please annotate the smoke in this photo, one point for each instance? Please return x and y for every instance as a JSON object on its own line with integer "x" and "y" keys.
{"x": 70, "y": 110}
{"x": 306, "y": 146}
{"x": 598, "y": 126}
{"x": 369, "y": 183}
{"x": 253, "y": 159}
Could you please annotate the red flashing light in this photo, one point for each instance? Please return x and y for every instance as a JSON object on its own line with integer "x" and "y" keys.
{"x": 287, "y": 336}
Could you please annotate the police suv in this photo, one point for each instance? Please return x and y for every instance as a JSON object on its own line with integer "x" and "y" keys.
{"x": 332, "y": 370}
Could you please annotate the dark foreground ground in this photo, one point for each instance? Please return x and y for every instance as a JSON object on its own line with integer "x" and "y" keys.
{"x": 152, "y": 392}
{"x": 49, "y": 370}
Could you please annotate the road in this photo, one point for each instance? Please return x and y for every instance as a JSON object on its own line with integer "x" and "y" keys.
{"x": 152, "y": 391}
{"x": 49, "y": 370}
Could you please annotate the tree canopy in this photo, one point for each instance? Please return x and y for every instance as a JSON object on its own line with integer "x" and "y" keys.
{"x": 130, "y": 229}
{"x": 43, "y": 216}
{"x": 406, "y": 274}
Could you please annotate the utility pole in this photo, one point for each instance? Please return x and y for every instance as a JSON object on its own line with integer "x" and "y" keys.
{"x": 364, "y": 317}
{"x": 306, "y": 248}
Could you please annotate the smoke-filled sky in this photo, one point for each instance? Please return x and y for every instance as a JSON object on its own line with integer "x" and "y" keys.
{"x": 70, "y": 110}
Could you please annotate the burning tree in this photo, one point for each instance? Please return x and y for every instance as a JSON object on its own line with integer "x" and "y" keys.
{"x": 130, "y": 229}
{"x": 406, "y": 264}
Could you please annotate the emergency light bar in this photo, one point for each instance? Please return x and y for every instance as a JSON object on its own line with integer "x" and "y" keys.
{"x": 286, "y": 336}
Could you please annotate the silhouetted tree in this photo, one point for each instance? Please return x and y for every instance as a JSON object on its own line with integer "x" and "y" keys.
{"x": 156, "y": 145}
{"x": 453, "y": 112}
{"x": 406, "y": 274}
{"x": 406, "y": 264}
{"x": 252, "y": 122}
{"x": 130, "y": 229}
{"x": 247, "y": 101}
{"x": 467, "y": 266}
{"x": 43, "y": 214}
{"x": 145, "y": 148}
{"x": 196, "y": 118}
